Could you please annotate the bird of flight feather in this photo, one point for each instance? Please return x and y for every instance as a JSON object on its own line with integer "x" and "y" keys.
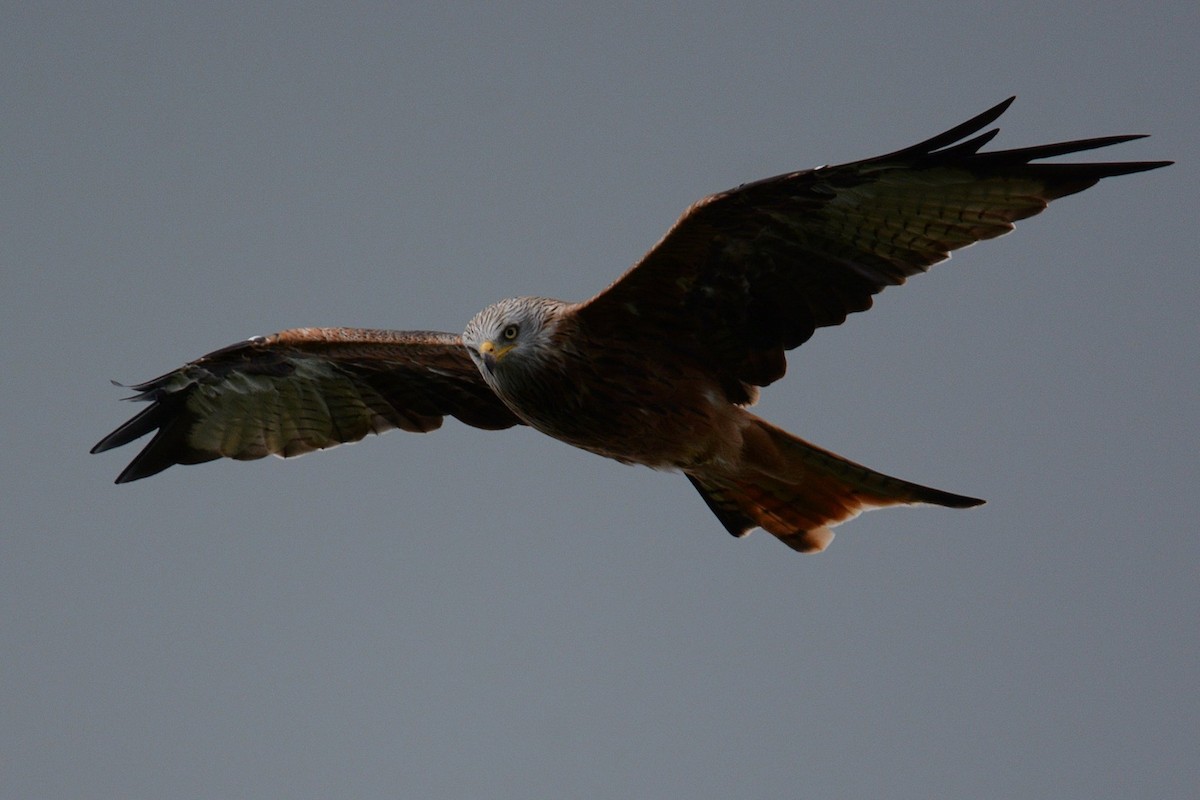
{"x": 658, "y": 368}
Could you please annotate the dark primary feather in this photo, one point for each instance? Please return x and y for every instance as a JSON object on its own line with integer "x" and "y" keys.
{"x": 303, "y": 390}
{"x": 747, "y": 274}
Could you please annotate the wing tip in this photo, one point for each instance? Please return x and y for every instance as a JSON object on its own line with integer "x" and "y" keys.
{"x": 136, "y": 470}
{"x": 955, "y": 135}
{"x": 127, "y": 476}
{"x": 954, "y": 143}
{"x": 950, "y": 500}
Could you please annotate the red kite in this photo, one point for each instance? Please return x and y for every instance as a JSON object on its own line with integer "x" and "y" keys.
{"x": 659, "y": 368}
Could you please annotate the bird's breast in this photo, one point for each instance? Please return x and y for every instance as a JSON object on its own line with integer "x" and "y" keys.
{"x": 620, "y": 406}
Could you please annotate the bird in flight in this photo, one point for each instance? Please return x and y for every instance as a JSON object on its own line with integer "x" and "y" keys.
{"x": 659, "y": 368}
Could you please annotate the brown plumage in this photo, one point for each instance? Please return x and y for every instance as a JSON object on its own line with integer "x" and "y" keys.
{"x": 658, "y": 368}
{"x": 303, "y": 390}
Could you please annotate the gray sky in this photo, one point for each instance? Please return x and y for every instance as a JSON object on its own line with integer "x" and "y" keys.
{"x": 472, "y": 614}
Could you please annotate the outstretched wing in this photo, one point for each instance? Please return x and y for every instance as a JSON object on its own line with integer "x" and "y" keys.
{"x": 303, "y": 390}
{"x": 749, "y": 273}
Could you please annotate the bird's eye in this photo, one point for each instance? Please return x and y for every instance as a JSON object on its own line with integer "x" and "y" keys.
{"x": 509, "y": 333}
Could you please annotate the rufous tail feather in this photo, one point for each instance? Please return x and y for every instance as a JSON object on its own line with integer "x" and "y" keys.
{"x": 798, "y": 492}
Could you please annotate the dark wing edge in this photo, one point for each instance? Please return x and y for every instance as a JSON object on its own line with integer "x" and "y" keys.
{"x": 302, "y": 390}
{"x": 749, "y": 273}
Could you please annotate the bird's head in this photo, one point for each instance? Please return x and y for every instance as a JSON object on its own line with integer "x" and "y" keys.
{"x": 511, "y": 334}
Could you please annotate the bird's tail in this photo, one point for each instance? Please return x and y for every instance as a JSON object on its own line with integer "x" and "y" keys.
{"x": 798, "y": 492}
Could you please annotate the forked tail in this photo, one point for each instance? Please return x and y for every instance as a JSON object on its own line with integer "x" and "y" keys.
{"x": 798, "y": 492}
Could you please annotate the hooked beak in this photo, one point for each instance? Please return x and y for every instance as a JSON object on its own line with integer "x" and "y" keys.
{"x": 492, "y": 354}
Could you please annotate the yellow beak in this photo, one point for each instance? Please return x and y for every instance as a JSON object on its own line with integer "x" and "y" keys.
{"x": 491, "y": 352}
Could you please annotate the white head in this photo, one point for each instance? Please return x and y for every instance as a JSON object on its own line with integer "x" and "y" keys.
{"x": 513, "y": 335}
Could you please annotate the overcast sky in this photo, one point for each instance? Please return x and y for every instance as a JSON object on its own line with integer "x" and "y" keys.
{"x": 475, "y": 614}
